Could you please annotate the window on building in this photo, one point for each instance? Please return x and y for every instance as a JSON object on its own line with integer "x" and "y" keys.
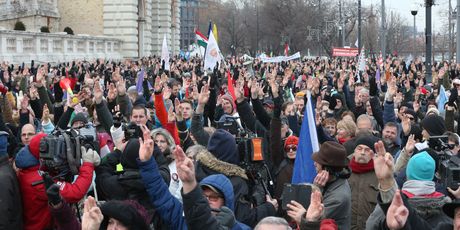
{"x": 44, "y": 45}
{"x": 11, "y": 45}
{"x": 70, "y": 46}
{"x": 28, "y": 45}
{"x": 57, "y": 46}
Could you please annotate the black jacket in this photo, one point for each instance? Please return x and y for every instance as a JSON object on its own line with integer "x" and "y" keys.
{"x": 10, "y": 197}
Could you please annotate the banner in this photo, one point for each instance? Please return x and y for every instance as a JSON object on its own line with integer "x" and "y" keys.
{"x": 280, "y": 58}
{"x": 344, "y": 52}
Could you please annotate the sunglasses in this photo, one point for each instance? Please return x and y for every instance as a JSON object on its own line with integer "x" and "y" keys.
{"x": 291, "y": 147}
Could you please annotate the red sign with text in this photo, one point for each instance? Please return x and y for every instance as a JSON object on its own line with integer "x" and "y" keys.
{"x": 345, "y": 52}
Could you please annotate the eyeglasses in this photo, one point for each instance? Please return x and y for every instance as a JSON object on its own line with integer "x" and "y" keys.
{"x": 212, "y": 198}
{"x": 290, "y": 148}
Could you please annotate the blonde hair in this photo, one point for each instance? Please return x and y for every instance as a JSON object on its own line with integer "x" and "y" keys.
{"x": 348, "y": 126}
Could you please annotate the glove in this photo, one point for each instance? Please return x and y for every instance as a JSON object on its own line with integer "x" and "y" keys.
{"x": 372, "y": 87}
{"x": 90, "y": 156}
{"x": 53, "y": 195}
{"x": 225, "y": 217}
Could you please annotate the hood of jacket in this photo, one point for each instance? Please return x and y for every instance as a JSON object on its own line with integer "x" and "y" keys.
{"x": 223, "y": 146}
{"x": 130, "y": 154}
{"x": 223, "y": 184}
{"x": 25, "y": 159}
{"x": 207, "y": 159}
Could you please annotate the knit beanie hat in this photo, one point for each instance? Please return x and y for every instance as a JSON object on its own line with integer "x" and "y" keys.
{"x": 421, "y": 166}
{"x": 434, "y": 125}
{"x": 367, "y": 140}
{"x": 291, "y": 140}
{"x": 34, "y": 145}
{"x": 79, "y": 117}
{"x": 230, "y": 99}
{"x": 129, "y": 212}
{"x": 130, "y": 154}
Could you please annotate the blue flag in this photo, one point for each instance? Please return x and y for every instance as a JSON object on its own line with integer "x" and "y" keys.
{"x": 442, "y": 99}
{"x": 304, "y": 169}
{"x": 140, "y": 79}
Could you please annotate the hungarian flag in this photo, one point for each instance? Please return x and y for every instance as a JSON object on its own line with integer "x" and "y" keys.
{"x": 286, "y": 49}
{"x": 201, "y": 39}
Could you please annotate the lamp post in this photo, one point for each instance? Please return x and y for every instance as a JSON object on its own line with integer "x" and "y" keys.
{"x": 414, "y": 13}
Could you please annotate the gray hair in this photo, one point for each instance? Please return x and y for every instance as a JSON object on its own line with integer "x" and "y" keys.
{"x": 272, "y": 220}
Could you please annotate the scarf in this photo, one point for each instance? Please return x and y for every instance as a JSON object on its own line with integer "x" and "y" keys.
{"x": 342, "y": 140}
{"x": 359, "y": 168}
{"x": 419, "y": 188}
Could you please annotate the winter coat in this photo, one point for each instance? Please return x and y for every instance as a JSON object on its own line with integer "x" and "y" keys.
{"x": 65, "y": 218}
{"x": 337, "y": 202}
{"x": 364, "y": 191}
{"x": 10, "y": 197}
{"x": 196, "y": 207}
{"x": 35, "y": 202}
{"x": 316, "y": 225}
{"x": 414, "y": 220}
{"x": 207, "y": 165}
{"x": 169, "y": 208}
{"x": 428, "y": 208}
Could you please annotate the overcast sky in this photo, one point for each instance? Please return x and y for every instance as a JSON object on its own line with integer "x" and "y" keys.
{"x": 405, "y": 6}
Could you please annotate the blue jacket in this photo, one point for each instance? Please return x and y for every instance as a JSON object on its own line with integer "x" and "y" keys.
{"x": 170, "y": 209}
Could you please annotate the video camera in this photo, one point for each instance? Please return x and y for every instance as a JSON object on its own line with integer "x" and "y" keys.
{"x": 131, "y": 129}
{"x": 449, "y": 164}
{"x": 60, "y": 152}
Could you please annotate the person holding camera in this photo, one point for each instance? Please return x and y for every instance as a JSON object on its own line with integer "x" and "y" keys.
{"x": 35, "y": 211}
{"x": 331, "y": 165}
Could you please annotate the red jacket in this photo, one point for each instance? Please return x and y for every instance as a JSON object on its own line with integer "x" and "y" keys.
{"x": 35, "y": 202}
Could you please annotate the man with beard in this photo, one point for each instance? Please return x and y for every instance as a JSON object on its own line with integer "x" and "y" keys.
{"x": 390, "y": 138}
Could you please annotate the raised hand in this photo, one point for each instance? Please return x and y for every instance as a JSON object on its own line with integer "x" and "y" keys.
{"x": 406, "y": 124}
{"x": 171, "y": 115}
{"x": 146, "y": 145}
{"x": 383, "y": 166}
{"x": 112, "y": 93}
{"x": 98, "y": 94}
{"x": 185, "y": 170}
{"x": 121, "y": 87}
{"x": 178, "y": 110}
{"x": 158, "y": 85}
{"x": 167, "y": 92}
{"x": 397, "y": 213}
{"x": 296, "y": 211}
{"x": 315, "y": 210}
{"x": 410, "y": 145}
{"x": 92, "y": 215}
{"x": 203, "y": 97}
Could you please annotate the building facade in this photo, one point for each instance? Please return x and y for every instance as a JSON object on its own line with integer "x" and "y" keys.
{"x": 140, "y": 24}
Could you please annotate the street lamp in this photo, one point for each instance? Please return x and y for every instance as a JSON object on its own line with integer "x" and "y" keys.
{"x": 414, "y": 13}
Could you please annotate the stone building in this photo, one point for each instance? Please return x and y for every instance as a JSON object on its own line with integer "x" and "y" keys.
{"x": 140, "y": 24}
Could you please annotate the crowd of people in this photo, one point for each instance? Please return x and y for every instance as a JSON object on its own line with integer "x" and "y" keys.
{"x": 176, "y": 148}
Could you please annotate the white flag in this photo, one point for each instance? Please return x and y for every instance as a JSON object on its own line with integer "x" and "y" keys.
{"x": 165, "y": 53}
{"x": 212, "y": 54}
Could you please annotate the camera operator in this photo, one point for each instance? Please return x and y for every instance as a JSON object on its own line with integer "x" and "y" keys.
{"x": 35, "y": 203}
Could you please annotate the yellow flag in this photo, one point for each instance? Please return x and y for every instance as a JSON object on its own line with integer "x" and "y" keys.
{"x": 214, "y": 32}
